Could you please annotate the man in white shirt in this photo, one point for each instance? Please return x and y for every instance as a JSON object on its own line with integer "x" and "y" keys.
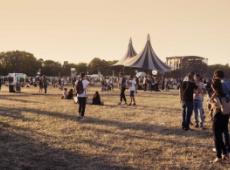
{"x": 132, "y": 90}
{"x": 81, "y": 88}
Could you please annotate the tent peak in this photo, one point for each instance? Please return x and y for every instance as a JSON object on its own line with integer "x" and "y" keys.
{"x": 130, "y": 40}
{"x": 130, "y": 53}
{"x": 148, "y": 37}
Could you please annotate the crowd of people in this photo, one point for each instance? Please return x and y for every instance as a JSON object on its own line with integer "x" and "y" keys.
{"x": 192, "y": 92}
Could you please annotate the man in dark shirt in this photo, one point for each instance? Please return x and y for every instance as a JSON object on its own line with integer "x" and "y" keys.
{"x": 186, "y": 93}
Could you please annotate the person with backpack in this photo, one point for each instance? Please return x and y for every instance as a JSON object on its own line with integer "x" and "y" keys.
{"x": 81, "y": 87}
{"x": 186, "y": 93}
{"x": 123, "y": 86}
{"x": 220, "y": 119}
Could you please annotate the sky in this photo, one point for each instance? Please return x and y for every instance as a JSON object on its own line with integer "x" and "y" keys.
{"x": 79, "y": 30}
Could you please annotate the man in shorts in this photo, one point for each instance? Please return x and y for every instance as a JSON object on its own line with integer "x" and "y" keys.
{"x": 132, "y": 90}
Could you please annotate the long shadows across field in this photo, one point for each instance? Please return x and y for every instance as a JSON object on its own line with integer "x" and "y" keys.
{"x": 15, "y": 99}
{"x": 19, "y": 151}
{"x": 146, "y": 127}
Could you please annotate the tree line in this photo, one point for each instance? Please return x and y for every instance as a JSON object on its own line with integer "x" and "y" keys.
{"x": 25, "y": 62}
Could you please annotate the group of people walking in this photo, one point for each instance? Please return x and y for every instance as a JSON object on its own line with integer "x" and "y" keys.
{"x": 125, "y": 84}
{"x": 81, "y": 86}
{"x": 192, "y": 92}
{"x": 43, "y": 84}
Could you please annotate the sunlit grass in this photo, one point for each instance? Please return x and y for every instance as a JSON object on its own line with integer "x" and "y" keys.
{"x": 43, "y": 132}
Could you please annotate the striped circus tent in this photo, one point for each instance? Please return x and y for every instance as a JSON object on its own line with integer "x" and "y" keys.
{"x": 130, "y": 53}
{"x": 147, "y": 60}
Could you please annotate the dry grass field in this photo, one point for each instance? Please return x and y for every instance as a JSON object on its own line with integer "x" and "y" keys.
{"x": 43, "y": 132}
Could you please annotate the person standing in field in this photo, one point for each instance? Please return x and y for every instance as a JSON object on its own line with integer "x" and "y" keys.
{"x": 145, "y": 83}
{"x": 132, "y": 90}
{"x": 40, "y": 84}
{"x": 186, "y": 93}
{"x": 123, "y": 86}
{"x": 45, "y": 83}
{"x": 198, "y": 102}
{"x": 220, "y": 120}
{"x": 81, "y": 88}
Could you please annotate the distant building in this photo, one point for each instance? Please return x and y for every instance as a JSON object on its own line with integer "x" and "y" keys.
{"x": 179, "y": 62}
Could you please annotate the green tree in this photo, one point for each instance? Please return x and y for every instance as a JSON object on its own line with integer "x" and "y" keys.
{"x": 18, "y": 61}
{"x": 51, "y": 68}
{"x": 103, "y": 66}
{"x": 81, "y": 67}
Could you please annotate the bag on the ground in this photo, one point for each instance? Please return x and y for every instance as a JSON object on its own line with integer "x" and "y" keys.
{"x": 225, "y": 101}
{"x": 79, "y": 87}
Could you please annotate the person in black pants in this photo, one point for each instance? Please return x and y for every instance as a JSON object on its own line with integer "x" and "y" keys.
{"x": 218, "y": 131}
{"x": 186, "y": 93}
{"x": 122, "y": 95}
{"x": 81, "y": 88}
{"x": 220, "y": 121}
{"x": 82, "y": 105}
{"x": 123, "y": 88}
{"x": 226, "y": 133}
{"x": 45, "y": 83}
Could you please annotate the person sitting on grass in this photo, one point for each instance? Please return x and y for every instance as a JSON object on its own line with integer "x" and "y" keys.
{"x": 70, "y": 94}
{"x": 64, "y": 95}
{"x": 132, "y": 90}
{"x": 97, "y": 99}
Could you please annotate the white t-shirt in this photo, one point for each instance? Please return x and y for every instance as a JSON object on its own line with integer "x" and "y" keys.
{"x": 132, "y": 85}
{"x": 144, "y": 80}
{"x": 85, "y": 85}
{"x": 199, "y": 92}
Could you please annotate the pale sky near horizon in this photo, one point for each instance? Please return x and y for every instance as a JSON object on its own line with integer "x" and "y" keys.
{"x": 79, "y": 30}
